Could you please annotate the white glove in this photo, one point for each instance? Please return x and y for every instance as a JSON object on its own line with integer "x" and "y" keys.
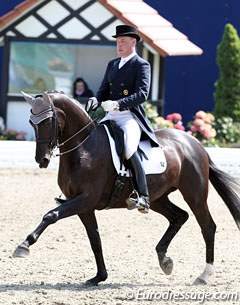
{"x": 91, "y": 104}
{"x": 110, "y": 105}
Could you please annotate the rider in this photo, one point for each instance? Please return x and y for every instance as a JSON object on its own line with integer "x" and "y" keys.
{"x": 124, "y": 88}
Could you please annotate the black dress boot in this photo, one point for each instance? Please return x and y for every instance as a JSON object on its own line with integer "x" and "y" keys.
{"x": 138, "y": 199}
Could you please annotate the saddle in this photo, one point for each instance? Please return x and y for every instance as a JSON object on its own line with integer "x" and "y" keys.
{"x": 118, "y": 137}
{"x": 153, "y": 159}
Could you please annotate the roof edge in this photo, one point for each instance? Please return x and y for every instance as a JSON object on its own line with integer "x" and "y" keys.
{"x": 21, "y": 9}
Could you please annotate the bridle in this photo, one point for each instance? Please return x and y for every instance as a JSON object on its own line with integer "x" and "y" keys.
{"x": 54, "y": 144}
{"x": 54, "y": 136}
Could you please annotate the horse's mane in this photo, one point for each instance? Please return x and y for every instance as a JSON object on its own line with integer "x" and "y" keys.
{"x": 71, "y": 99}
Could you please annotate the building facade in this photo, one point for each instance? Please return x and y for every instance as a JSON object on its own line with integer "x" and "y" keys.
{"x": 47, "y": 44}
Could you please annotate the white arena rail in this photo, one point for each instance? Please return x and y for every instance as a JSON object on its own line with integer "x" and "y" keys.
{"x": 20, "y": 154}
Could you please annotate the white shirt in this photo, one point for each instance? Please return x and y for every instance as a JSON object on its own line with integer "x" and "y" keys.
{"x": 125, "y": 59}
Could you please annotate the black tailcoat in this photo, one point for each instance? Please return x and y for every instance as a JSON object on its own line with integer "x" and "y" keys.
{"x": 129, "y": 86}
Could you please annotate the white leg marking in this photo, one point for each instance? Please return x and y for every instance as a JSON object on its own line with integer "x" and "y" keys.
{"x": 208, "y": 271}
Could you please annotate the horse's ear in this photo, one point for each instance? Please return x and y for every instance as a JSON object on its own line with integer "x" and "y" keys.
{"x": 28, "y": 98}
{"x": 46, "y": 99}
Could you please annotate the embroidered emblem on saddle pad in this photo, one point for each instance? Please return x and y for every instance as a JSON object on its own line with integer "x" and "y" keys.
{"x": 156, "y": 163}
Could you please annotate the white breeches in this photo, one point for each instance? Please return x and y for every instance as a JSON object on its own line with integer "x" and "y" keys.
{"x": 130, "y": 127}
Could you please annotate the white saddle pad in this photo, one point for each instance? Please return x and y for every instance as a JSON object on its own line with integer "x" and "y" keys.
{"x": 156, "y": 163}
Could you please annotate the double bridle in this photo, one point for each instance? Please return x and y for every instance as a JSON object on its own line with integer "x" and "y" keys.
{"x": 54, "y": 144}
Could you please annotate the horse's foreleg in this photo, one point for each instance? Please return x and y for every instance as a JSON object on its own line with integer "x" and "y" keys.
{"x": 176, "y": 217}
{"x": 71, "y": 207}
{"x": 90, "y": 223}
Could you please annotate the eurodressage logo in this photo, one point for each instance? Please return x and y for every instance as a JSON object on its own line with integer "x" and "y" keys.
{"x": 200, "y": 297}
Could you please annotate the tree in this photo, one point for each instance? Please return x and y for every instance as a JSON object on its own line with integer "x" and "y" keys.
{"x": 227, "y": 93}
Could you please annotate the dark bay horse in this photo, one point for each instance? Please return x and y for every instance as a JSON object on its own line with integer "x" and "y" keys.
{"x": 86, "y": 177}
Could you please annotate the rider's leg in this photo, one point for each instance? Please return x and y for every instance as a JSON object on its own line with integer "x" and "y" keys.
{"x": 142, "y": 200}
{"x": 132, "y": 134}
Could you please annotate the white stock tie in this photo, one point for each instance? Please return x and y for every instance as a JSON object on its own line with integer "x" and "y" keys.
{"x": 122, "y": 62}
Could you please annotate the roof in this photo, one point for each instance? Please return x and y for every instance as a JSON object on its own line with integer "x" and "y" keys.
{"x": 155, "y": 30}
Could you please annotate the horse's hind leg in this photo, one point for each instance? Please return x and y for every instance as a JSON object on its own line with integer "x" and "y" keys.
{"x": 208, "y": 228}
{"x": 90, "y": 223}
{"x": 176, "y": 217}
{"x": 197, "y": 201}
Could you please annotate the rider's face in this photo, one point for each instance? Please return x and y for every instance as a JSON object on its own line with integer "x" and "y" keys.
{"x": 125, "y": 45}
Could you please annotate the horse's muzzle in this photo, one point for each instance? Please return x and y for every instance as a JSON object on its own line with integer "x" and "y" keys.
{"x": 43, "y": 162}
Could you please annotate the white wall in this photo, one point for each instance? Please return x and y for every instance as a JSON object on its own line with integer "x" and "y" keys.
{"x": 227, "y": 159}
{"x": 18, "y": 114}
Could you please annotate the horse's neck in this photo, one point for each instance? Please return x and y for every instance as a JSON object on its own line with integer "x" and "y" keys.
{"x": 77, "y": 123}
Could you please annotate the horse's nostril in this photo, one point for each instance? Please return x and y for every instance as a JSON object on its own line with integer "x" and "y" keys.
{"x": 45, "y": 160}
{"x": 43, "y": 163}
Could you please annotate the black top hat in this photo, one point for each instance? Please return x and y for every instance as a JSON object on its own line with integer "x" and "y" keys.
{"x": 126, "y": 30}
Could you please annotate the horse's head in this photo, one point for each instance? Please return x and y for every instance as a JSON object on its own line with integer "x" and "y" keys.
{"x": 44, "y": 121}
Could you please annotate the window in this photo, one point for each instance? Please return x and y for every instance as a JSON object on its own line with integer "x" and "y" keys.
{"x": 36, "y": 67}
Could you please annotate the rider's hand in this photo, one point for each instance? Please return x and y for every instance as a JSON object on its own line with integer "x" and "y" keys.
{"x": 110, "y": 105}
{"x": 91, "y": 104}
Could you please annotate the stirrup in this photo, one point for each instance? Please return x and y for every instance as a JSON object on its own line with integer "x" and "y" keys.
{"x": 135, "y": 201}
{"x": 60, "y": 200}
{"x": 132, "y": 200}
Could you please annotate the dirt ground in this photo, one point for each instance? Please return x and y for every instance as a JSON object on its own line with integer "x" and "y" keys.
{"x": 61, "y": 261}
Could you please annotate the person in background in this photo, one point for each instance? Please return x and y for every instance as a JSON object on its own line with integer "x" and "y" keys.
{"x": 81, "y": 89}
{"x": 40, "y": 85}
{"x": 125, "y": 86}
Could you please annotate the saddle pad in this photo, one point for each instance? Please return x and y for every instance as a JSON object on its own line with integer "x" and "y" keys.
{"x": 156, "y": 163}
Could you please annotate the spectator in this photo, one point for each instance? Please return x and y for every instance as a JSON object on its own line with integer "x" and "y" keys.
{"x": 81, "y": 89}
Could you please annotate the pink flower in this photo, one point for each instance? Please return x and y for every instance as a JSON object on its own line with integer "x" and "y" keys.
{"x": 193, "y": 128}
{"x": 176, "y": 117}
{"x": 169, "y": 117}
{"x": 198, "y": 124}
{"x": 200, "y": 115}
{"x": 209, "y": 118}
{"x": 179, "y": 126}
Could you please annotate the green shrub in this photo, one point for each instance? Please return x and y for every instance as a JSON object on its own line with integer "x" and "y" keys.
{"x": 228, "y": 132}
{"x": 227, "y": 88}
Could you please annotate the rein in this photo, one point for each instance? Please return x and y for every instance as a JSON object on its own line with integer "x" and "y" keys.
{"x": 70, "y": 138}
{"x": 63, "y": 143}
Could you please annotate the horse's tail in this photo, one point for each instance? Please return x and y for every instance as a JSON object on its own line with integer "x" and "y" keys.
{"x": 228, "y": 188}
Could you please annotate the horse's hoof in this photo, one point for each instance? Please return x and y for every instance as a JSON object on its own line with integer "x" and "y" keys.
{"x": 199, "y": 281}
{"x": 91, "y": 282}
{"x": 21, "y": 251}
{"x": 95, "y": 280}
{"x": 167, "y": 265}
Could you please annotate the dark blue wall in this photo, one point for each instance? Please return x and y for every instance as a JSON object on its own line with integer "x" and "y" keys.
{"x": 7, "y": 6}
{"x": 190, "y": 79}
